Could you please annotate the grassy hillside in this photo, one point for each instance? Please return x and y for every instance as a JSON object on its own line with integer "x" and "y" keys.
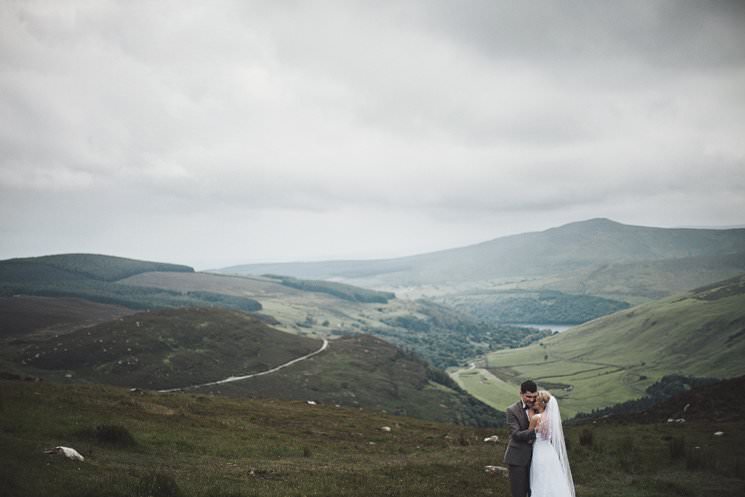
{"x": 178, "y": 348}
{"x": 92, "y": 277}
{"x": 346, "y": 292}
{"x": 160, "y": 349}
{"x": 364, "y": 371}
{"x": 200, "y": 446}
{"x": 651, "y": 279}
{"x": 615, "y": 358}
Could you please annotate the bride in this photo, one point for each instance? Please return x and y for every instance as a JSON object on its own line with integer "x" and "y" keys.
{"x": 550, "y": 475}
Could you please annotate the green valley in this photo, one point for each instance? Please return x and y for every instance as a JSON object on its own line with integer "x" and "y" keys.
{"x": 615, "y": 358}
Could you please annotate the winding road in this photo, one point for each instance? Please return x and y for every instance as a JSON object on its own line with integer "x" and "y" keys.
{"x": 231, "y": 379}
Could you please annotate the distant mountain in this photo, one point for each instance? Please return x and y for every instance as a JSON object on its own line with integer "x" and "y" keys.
{"x": 615, "y": 358}
{"x": 97, "y": 278}
{"x": 177, "y": 348}
{"x": 557, "y": 252}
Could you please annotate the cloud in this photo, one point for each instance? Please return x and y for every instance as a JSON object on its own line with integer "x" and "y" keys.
{"x": 474, "y": 119}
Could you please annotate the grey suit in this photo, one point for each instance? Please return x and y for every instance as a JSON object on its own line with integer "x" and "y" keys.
{"x": 519, "y": 450}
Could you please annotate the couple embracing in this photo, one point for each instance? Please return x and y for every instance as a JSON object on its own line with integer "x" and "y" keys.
{"x": 536, "y": 453}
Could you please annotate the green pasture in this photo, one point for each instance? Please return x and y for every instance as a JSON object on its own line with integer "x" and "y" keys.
{"x": 614, "y": 359}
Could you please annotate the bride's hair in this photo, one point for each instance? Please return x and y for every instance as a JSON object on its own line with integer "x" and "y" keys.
{"x": 544, "y": 396}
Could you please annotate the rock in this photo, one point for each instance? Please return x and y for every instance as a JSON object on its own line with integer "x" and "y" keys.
{"x": 496, "y": 470}
{"x": 718, "y": 433}
{"x": 386, "y": 428}
{"x": 68, "y": 452}
{"x": 492, "y": 438}
{"x": 312, "y": 403}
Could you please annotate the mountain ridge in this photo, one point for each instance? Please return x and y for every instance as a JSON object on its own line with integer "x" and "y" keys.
{"x": 555, "y": 251}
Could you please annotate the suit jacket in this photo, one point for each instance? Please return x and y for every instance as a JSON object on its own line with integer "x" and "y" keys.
{"x": 520, "y": 445}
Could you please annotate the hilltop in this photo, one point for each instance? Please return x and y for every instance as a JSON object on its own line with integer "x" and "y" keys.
{"x": 94, "y": 266}
{"x": 615, "y": 358}
{"x": 97, "y": 278}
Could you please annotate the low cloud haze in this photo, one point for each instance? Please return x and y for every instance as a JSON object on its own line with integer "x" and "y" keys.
{"x": 226, "y": 132}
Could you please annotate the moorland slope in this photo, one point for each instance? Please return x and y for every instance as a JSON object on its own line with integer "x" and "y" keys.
{"x": 201, "y": 445}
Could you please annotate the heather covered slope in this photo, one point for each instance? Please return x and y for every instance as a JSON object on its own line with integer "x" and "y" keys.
{"x": 23, "y": 315}
{"x": 160, "y": 349}
{"x": 180, "y": 348}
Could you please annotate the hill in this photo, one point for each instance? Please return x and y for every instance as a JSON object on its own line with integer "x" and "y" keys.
{"x": 99, "y": 267}
{"x": 160, "y": 349}
{"x": 364, "y": 371}
{"x": 346, "y": 292}
{"x": 615, "y": 358}
{"x": 178, "y": 348}
{"x": 23, "y": 315}
{"x": 556, "y": 251}
{"x": 96, "y": 278}
{"x": 197, "y": 445}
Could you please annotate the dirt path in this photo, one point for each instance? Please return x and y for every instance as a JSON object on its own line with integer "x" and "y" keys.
{"x": 231, "y": 379}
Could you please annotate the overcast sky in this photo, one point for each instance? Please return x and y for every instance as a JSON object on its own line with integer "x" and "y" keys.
{"x": 226, "y": 132}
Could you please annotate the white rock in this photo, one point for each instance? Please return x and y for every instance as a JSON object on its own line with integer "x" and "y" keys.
{"x": 492, "y": 438}
{"x": 312, "y": 403}
{"x": 68, "y": 452}
{"x": 496, "y": 469}
{"x": 386, "y": 428}
{"x": 718, "y": 433}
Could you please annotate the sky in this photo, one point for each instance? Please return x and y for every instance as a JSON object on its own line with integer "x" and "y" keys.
{"x": 228, "y": 132}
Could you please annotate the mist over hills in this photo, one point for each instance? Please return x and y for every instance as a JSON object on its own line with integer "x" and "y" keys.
{"x": 560, "y": 252}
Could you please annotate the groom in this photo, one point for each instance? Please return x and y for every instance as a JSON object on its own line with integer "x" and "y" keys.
{"x": 520, "y": 445}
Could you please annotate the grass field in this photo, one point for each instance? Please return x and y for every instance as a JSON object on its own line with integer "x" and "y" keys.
{"x": 486, "y": 387}
{"x": 211, "y": 446}
{"x": 615, "y": 358}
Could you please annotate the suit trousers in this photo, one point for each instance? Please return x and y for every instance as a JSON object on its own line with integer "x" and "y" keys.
{"x": 519, "y": 480}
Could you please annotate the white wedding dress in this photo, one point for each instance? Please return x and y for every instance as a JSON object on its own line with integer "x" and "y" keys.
{"x": 550, "y": 475}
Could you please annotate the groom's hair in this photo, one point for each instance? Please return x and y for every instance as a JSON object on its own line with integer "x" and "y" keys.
{"x": 528, "y": 386}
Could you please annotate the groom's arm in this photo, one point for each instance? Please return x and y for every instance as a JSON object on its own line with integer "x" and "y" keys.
{"x": 515, "y": 432}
